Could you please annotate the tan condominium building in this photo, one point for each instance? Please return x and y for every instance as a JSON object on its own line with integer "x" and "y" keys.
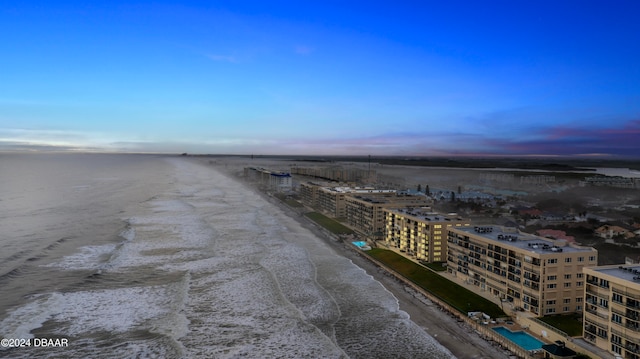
{"x": 612, "y": 309}
{"x": 308, "y": 192}
{"x": 419, "y": 232}
{"x": 332, "y": 200}
{"x": 529, "y": 272}
{"x": 336, "y": 173}
{"x": 365, "y": 213}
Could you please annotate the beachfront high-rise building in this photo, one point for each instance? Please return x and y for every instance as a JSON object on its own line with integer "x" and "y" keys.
{"x": 537, "y": 274}
{"x": 331, "y": 200}
{"x": 308, "y": 192}
{"x": 419, "y": 232}
{"x": 612, "y": 309}
{"x": 365, "y": 213}
{"x": 274, "y": 180}
{"x": 337, "y": 173}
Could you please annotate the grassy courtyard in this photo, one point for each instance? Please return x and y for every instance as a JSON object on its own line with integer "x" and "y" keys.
{"x": 330, "y": 224}
{"x": 456, "y": 296}
{"x": 568, "y": 323}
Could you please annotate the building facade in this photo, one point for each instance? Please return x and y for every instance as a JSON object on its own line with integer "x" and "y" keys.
{"x": 365, "y": 213}
{"x": 337, "y": 173}
{"x": 532, "y": 273}
{"x": 420, "y": 233}
{"x": 612, "y": 309}
{"x": 308, "y": 192}
{"x": 332, "y": 200}
{"x": 273, "y": 180}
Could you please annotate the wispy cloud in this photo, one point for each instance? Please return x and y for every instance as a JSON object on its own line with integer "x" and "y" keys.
{"x": 223, "y": 58}
{"x": 576, "y": 141}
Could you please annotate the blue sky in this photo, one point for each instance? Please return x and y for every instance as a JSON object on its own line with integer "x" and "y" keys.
{"x": 556, "y": 78}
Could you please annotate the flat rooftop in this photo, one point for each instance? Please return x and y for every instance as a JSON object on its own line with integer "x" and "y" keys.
{"x": 358, "y": 190}
{"x": 526, "y": 241}
{"x": 427, "y": 215}
{"x": 630, "y": 273}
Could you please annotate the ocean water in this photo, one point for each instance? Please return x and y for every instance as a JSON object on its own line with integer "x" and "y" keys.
{"x": 140, "y": 256}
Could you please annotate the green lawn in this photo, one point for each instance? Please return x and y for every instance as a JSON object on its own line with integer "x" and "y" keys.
{"x": 332, "y": 225}
{"x": 293, "y": 203}
{"x": 568, "y": 323}
{"x": 438, "y": 267}
{"x": 451, "y": 293}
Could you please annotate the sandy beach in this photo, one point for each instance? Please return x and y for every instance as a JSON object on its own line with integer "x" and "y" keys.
{"x": 456, "y": 336}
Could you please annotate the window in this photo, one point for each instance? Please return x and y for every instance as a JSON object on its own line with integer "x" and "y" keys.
{"x": 567, "y": 285}
{"x": 616, "y": 349}
{"x": 616, "y": 318}
{"x": 566, "y": 300}
{"x": 602, "y": 333}
{"x": 551, "y": 286}
{"x": 567, "y": 276}
{"x": 437, "y": 226}
{"x": 550, "y": 310}
{"x": 552, "y": 260}
{"x": 580, "y": 259}
{"x": 565, "y": 309}
{"x": 592, "y": 258}
{"x": 579, "y": 300}
{"x": 551, "y": 302}
{"x": 567, "y": 260}
{"x": 616, "y": 339}
{"x": 616, "y": 298}
{"x": 578, "y": 308}
{"x": 578, "y": 284}
{"x": 604, "y": 303}
{"x": 579, "y": 275}
{"x": 552, "y": 277}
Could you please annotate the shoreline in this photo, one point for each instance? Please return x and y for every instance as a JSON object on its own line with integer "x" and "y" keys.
{"x": 460, "y": 339}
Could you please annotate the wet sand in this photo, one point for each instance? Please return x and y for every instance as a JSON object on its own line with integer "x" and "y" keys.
{"x": 459, "y": 338}
{"x": 456, "y": 336}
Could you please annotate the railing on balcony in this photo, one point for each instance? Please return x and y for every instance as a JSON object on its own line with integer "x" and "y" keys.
{"x": 594, "y": 310}
{"x": 626, "y": 293}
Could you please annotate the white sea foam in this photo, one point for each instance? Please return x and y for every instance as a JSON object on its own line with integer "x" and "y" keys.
{"x": 30, "y": 316}
{"x": 112, "y": 310}
{"x": 89, "y": 258}
{"x": 232, "y": 277}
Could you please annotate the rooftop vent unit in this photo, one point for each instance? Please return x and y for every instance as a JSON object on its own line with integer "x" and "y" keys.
{"x": 483, "y": 229}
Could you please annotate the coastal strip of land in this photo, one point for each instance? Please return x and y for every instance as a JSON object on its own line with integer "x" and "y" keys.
{"x": 455, "y": 335}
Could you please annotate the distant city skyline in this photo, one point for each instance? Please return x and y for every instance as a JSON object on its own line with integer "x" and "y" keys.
{"x": 462, "y": 78}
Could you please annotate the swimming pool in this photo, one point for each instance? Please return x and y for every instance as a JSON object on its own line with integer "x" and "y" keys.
{"x": 523, "y": 339}
{"x": 362, "y": 245}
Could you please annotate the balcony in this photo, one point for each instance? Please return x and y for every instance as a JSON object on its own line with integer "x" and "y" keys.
{"x": 633, "y": 326}
{"x": 594, "y": 310}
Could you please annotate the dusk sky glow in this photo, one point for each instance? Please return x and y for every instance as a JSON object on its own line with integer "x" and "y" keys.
{"x": 517, "y": 78}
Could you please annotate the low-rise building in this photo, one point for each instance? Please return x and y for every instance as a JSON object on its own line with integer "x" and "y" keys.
{"x": 419, "y": 232}
{"x": 610, "y": 231}
{"x": 612, "y": 309}
{"x": 537, "y": 274}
